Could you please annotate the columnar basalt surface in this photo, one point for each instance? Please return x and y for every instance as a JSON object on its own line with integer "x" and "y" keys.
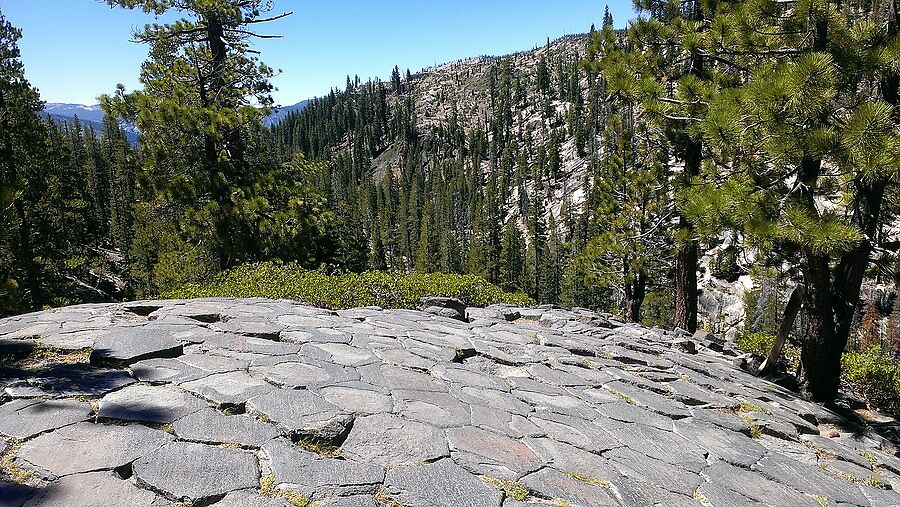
{"x": 259, "y": 402}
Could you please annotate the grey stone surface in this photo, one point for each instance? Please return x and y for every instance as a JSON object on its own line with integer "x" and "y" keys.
{"x": 26, "y": 418}
{"x": 561, "y": 487}
{"x": 196, "y": 473}
{"x": 490, "y": 453}
{"x": 228, "y": 389}
{"x": 410, "y": 407}
{"x": 250, "y": 498}
{"x": 390, "y": 440}
{"x": 95, "y": 489}
{"x": 317, "y": 476}
{"x": 66, "y": 381}
{"x": 213, "y": 427}
{"x": 87, "y": 447}
{"x": 301, "y": 413}
{"x": 131, "y": 344}
{"x": 148, "y": 403}
{"x": 440, "y": 484}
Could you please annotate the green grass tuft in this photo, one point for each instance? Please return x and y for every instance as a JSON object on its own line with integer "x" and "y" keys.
{"x": 590, "y": 480}
{"x": 513, "y": 489}
{"x": 620, "y": 394}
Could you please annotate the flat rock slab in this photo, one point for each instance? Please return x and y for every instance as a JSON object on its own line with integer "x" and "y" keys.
{"x": 250, "y": 498}
{"x": 319, "y": 477}
{"x": 87, "y": 447}
{"x": 96, "y": 489}
{"x": 228, "y": 389}
{"x": 257, "y": 402}
{"x": 196, "y": 473}
{"x": 148, "y": 403}
{"x": 127, "y": 345}
{"x": 390, "y": 440}
{"x": 302, "y": 414}
{"x": 440, "y": 484}
{"x": 67, "y": 381}
{"x": 571, "y": 489}
{"x": 213, "y": 427}
{"x": 26, "y": 418}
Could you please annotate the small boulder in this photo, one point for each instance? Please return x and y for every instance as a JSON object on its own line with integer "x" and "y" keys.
{"x": 687, "y": 346}
{"x": 445, "y": 307}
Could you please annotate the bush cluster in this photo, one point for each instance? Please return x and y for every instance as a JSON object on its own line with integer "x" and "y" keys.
{"x": 761, "y": 343}
{"x": 876, "y": 376}
{"x": 371, "y": 288}
{"x": 872, "y": 374}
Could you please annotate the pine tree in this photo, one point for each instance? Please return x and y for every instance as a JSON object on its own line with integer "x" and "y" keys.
{"x": 607, "y": 18}
{"x": 21, "y": 140}
{"x": 816, "y": 122}
{"x": 673, "y": 54}
{"x": 512, "y": 261}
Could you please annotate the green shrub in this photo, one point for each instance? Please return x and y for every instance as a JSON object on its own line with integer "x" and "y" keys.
{"x": 387, "y": 290}
{"x": 761, "y": 344}
{"x": 874, "y": 375}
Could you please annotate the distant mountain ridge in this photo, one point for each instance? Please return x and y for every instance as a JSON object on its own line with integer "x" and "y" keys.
{"x": 93, "y": 115}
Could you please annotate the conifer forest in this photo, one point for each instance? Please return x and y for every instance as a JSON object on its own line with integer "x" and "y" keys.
{"x": 616, "y": 170}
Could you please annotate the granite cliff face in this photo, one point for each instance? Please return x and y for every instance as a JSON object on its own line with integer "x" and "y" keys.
{"x": 260, "y": 402}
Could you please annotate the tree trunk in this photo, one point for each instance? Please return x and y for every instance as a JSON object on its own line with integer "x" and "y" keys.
{"x": 787, "y": 322}
{"x": 635, "y": 291}
{"x": 820, "y": 353}
{"x": 688, "y": 251}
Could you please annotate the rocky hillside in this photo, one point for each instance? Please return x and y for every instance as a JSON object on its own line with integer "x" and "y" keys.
{"x": 258, "y": 402}
{"x": 472, "y": 145}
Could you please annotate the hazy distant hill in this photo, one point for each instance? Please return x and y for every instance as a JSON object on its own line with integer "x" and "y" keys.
{"x": 131, "y": 132}
{"x": 283, "y": 111}
{"x": 87, "y": 115}
{"x": 93, "y": 115}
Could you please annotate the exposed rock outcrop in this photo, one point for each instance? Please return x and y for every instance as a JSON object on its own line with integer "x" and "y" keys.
{"x": 264, "y": 401}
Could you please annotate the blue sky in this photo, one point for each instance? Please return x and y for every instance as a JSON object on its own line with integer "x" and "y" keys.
{"x": 74, "y": 50}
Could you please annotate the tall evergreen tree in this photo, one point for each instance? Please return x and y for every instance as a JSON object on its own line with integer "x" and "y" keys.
{"x": 21, "y": 140}
{"x": 806, "y": 151}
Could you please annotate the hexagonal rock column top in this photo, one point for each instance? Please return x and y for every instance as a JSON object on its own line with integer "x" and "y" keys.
{"x": 210, "y": 426}
{"x": 66, "y": 380}
{"x": 86, "y": 447}
{"x": 301, "y": 413}
{"x": 488, "y": 453}
{"x": 95, "y": 489}
{"x": 231, "y": 389}
{"x": 196, "y": 473}
{"x": 126, "y": 345}
{"x": 386, "y": 439}
{"x": 319, "y": 477}
{"x": 26, "y": 418}
{"x": 146, "y": 403}
{"x": 440, "y": 484}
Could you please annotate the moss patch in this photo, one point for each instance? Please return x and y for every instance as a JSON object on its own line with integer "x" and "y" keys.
{"x": 513, "y": 489}
{"x": 589, "y": 479}
{"x": 384, "y": 499}
{"x": 620, "y": 394}
{"x": 295, "y": 498}
{"x": 10, "y": 469}
{"x": 701, "y": 498}
{"x": 746, "y": 407}
{"x": 319, "y": 447}
{"x": 755, "y": 429}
